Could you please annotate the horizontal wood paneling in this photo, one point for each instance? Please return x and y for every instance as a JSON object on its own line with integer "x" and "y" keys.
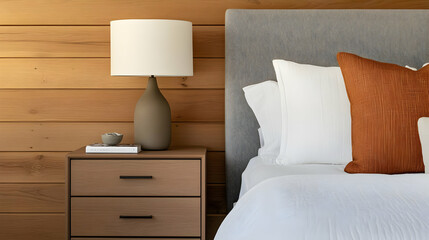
{"x": 209, "y": 41}
{"x": 197, "y": 11}
{"x": 95, "y": 73}
{"x": 27, "y": 198}
{"x": 70, "y": 136}
{"x": 213, "y": 223}
{"x": 52, "y": 41}
{"x": 88, "y": 41}
{"x": 30, "y": 167}
{"x": 32, "y": 197}
{"x": 208, "y": 135}
{"x": 32, "y": 226}
{"x": 216, "y": 167}
{"x": 52, "y": 226}
{"x": 48, "y": 167}
{"x": 105, "y": 105}
{"x": 216, "y": 195}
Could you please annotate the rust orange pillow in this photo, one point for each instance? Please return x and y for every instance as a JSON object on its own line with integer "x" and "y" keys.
{"x": 386, "y": 100}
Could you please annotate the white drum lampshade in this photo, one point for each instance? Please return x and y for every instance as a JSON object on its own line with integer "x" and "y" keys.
{"x": 141, "y": 47}
{"x": 151, "y": 48}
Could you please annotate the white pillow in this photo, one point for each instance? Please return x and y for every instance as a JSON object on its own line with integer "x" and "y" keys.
{"x": 316, "y": 120}
{"x": 411, "y": 68}
{"x": 423, "y": 125}
{"x": 264, "y": 99}
{"x": 415, "y": 69}
{"x": 261, "y": 137}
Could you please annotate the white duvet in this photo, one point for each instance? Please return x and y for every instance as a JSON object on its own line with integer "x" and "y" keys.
{"x": 321, "y": 207}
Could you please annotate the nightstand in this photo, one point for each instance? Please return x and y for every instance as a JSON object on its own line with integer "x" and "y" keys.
{"x": 158, "y": 194}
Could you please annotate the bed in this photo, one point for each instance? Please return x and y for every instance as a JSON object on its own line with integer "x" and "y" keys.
{"x": 315, "y": 202}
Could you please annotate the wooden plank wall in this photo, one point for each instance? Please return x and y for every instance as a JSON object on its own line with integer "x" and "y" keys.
{"x": 54, "y": 82}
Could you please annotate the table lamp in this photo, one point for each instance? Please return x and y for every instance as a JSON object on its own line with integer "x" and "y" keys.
{"x": 151, "y": 47}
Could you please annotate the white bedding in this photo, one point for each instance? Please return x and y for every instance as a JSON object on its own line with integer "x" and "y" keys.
{"x": 332, "y": 206}
{"x": 263, "y": 168}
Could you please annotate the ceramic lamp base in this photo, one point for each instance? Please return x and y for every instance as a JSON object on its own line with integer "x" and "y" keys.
{"x": 152, "y": 119}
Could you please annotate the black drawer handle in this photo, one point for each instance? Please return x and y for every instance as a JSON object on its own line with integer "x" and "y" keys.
{"x": 135, "y": 177}
{"x": 144, "y": 217}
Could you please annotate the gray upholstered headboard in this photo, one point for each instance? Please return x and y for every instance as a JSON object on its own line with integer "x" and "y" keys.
{"x": 255, "y": 37}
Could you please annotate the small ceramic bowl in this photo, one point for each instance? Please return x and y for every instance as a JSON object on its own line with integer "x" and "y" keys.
{"x": 111, "y": 138}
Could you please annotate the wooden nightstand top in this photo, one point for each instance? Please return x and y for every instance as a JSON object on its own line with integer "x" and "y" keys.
{"x": 177, "y": 152}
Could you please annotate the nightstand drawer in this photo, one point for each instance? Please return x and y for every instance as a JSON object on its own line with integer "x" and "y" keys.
{"x": 135, "y": 217}
{"x": 135, "y": 238}
{"x": 135, "y": 178}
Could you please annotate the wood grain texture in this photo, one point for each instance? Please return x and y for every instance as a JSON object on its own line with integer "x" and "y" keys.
{"x": 203, "y": 198}
{"x": 49, "y": 198}
{"x": 216, "y": 195}
{"x": 81, "y": 12}
{"x": 32, "y": 226}
{"x": 48, "y": 167}
{"x": 51, "y": 226}
{"x": 210, "y": 135}
{"x": 213, "y": 223}
{"x": 134, "y": 238}
{"x": 169, "y": 177}
{"x": 32, "y": 167}
{"x": 209, "y": 41}
{"x": 89, "y": 41}
{"x": 70, "y": 136}
{"x": 171, "y": 153}
{"x": 172, "y": 217}
{"x": 216, "y": 167}
{"x": 105, "y": 105}
{"x": 94, "y": 73}
{"x": 32, "y": 198}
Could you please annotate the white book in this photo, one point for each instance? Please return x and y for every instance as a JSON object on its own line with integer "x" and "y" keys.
{"x": 104, "y": 148}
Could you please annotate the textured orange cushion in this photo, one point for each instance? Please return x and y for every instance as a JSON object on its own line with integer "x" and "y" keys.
{"x": 386, "y": 102}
